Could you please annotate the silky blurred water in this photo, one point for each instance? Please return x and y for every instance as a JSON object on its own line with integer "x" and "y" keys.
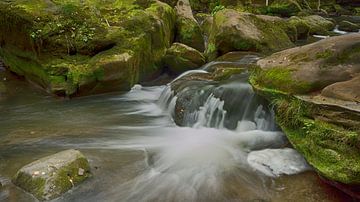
{"x": 137, "y": 153}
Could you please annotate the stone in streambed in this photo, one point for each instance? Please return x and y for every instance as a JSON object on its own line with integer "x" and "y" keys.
{"x": 180, "y": 58}
{"x": 276, "y": 162}
{"x": 51, "y": 176}
{"x": 349, "y": 26}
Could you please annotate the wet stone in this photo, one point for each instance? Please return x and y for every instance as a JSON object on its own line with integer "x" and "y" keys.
{"x": 51, "y": 176}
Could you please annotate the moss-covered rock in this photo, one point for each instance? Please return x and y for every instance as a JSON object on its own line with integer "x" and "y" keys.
{"x": 58, "y": 44}
{"x": 312, "y": 67}
{"x": 188, "y": 30}
{"x": 236, "y": 31}
{"x": 51, "y": 176}
{"x": 323, "y": 122}
{"x": 349, "y": 26}
{"x": 180, "y": 58}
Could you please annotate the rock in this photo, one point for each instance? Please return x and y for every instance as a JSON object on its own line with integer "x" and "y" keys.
{"x": 314, "y": 89}
{"x": 51, "y": 176}
{"x": 69, "y": 48}
{"x": 180, "y": 58}
{"x": 276, "y": 162}
{"x": 311, "y": 25}
{"x": 349, "y": 26}
{"x": 346, "y": 90}
{"x": 187, "y": 28}
{"x": 235, "y": 31}
{"x": 312, "y": 67}
{"x": 318, "y": 25}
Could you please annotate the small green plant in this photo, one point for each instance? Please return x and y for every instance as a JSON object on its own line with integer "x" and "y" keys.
{"x": 217, "y": 9}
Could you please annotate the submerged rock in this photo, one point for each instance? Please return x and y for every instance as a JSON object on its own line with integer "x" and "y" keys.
{"x": 51, "y": 176}
{"x": 180, "y": 58}
{"x": 314, "y": 89}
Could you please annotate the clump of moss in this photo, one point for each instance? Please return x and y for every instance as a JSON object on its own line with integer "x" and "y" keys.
{"x": 281, "y": 79}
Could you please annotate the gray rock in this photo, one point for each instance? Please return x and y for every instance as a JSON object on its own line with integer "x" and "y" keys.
{"x": 51, "y": 176}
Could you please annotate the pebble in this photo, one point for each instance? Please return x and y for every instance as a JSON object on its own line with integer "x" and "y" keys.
{"x": 81, "y": 172}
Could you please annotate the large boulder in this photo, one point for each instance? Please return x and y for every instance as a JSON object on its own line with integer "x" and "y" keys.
{"x": 314, "y": 89}
{"x": 180, "y": 58}
{"x": 312, "y": 67}
{"x": 188, "y": 30}
{"x": 236, "y": 31}
{"x": 51, "y": 176}
{"x": 71, "y": 47}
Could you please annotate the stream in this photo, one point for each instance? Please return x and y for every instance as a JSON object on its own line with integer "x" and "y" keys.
{"x": 228, "y": 149}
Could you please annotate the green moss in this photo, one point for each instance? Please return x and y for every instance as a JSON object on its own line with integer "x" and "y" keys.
{"x": 331, "y": 149}
{"x": 284, "y": 9}
{"x": 57, "y": 51}
{"x": 280, "y": 79}
{"x": 68, "y": 176}
{"x": 36, "y": 185}
{"x": 324, "y": 54}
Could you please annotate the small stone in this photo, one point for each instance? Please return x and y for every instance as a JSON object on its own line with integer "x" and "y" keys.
{"x": 43, "y": 173}
{"x": 36, "y": 173}
{"x": 81, "y": 172}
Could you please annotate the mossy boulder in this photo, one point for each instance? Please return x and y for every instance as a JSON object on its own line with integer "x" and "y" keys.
{"x": 311, "y": 25}
{"x": 312, "y": 67}
{"x": 188, "y": 30}
{"x": 51, "y": 176}
{"x": 318, "y": 24}
{"x": 349, "y": 26}
{"x": 314, "y": 91}
{"x": 180, "y": 58}
{"x": 63, "y": 45}
{"x": 237, "y": 31}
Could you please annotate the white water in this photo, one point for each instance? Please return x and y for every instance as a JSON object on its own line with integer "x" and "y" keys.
{"x": 193, "y": 163}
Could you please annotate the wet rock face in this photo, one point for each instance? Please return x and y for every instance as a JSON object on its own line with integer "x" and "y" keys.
{"x": 51, "y": 176}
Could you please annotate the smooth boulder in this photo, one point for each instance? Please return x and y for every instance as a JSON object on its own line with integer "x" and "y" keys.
{"x": 51, "y": 176}
{"x": 311, "y": 67}
{"x": 237, "y": 31}
{"x": 180, "y": 58}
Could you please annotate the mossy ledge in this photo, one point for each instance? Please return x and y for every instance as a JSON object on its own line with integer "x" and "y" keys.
{"x": 332, "y": 149}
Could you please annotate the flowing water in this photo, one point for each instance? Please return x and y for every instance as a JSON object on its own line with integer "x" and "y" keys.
{"x": 229, "y": 149}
